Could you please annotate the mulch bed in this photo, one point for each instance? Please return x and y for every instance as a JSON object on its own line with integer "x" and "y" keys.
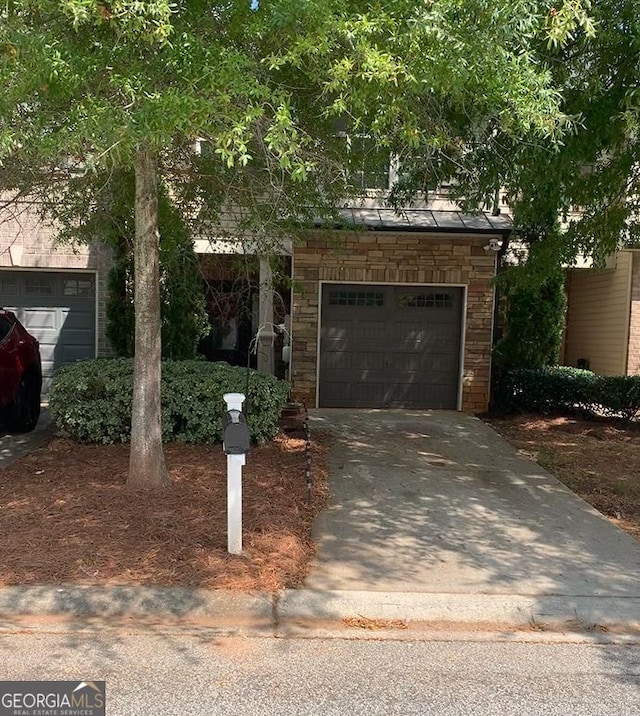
{"x": 597, "y": 458}
{"x": 66, "y": 516}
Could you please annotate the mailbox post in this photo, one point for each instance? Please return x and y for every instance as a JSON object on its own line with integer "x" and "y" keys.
{"x": 236, "y": 447}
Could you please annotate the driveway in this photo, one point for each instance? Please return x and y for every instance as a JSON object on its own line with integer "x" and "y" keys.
{"x": 437, "y": 502}
{"x": 13, "y": 446}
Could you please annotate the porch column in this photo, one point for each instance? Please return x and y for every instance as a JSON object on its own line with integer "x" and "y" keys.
{"x": 266, "y": 334}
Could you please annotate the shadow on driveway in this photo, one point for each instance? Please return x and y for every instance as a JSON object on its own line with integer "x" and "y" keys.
{"x": 439, "y": 502}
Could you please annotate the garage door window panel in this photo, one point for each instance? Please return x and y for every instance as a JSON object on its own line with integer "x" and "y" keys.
{"x": 78, "y": 287}
{"x": 39, "y": 286}
{"x": 8, "y": 286}
{"x": 364, "y": 299}
{"x": 426, "y": 300}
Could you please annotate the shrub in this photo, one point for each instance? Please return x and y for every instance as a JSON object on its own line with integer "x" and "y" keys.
{"x": 184, "y": 319}
{"x": 565, "y": 389}
{"x": 533, "y": 321}
{"x": 90, "y": 401}
{"x": 620, "y": 395}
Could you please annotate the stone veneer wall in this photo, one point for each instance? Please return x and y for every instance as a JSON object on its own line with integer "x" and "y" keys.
{"x": 384, "y": 257}
{"x": 23, "y": 229}
{"x": 633, "y": 357}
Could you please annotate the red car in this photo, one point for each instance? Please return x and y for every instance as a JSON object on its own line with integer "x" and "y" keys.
{"x": 20, "y": 375}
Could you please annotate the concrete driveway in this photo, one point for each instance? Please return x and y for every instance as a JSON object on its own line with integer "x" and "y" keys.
{"x": 438, "y": 503}
{"x": 15, "y": 445}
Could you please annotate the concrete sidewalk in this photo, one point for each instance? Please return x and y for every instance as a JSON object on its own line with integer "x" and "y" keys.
{"x": 433, "y": 518}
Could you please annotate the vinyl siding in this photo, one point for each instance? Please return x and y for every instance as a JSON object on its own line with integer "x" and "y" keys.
{"x": 597, "y": 325}
{"x": 633, "y": 362}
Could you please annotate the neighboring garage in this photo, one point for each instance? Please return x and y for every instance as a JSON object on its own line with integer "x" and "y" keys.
{"x": 57, "y": 308}
{"x": 387, "y": 346}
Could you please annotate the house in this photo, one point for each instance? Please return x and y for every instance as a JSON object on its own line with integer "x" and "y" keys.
{"x": 58, "y": 292}
{"x": 386, "y": 310}
{"x": 603, "y": 316}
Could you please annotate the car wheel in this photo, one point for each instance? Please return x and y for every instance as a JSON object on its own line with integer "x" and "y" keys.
{"x": 24, "y": 413}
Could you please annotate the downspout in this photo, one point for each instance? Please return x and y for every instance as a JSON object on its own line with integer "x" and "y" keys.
{"x": 496, "y": 330}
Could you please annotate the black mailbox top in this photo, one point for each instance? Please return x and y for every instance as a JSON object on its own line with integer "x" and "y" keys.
{"x": 236, "y": 439}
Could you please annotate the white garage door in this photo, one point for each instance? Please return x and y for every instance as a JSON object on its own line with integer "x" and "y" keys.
{"x": 59, "y": 309}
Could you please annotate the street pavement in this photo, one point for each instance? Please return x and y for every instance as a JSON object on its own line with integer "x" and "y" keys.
{"x": 200, "y": 674}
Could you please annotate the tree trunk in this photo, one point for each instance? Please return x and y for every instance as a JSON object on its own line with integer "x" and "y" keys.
{"x": 147, "y": 467}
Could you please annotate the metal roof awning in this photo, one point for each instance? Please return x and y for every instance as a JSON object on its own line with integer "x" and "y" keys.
{"x": 425, "y": 220}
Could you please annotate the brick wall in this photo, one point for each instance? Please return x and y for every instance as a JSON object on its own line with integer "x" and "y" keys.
{"x": 633, "y": 358}
{"x": 382, "y": 257}
{"x": 22, "y": 230}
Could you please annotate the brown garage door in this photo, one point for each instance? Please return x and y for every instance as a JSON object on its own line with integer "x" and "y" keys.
{"x": 390, "y": 346}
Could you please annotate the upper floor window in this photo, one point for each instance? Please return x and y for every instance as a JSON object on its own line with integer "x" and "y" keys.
{"x": 368, "y": 163}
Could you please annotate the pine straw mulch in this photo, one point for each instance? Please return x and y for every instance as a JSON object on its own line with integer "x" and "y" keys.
{"x": 67, "y": 517}
{"x": 598, "y": 458}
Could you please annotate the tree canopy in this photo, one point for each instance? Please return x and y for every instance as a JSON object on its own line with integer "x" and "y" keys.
{"x": 579, "y": 194}
{"x": 91, "y": 87}
{"x": 86, "y": 83}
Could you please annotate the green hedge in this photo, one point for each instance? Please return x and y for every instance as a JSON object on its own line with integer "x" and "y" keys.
{"x": 90, "y": 401}
{"x": 564, "y": 389}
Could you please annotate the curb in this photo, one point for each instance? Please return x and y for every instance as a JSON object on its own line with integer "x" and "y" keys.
{"x": 134, "y": 602}
{"x": 504, "y": 609}
{"x": 316, "y": 609}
